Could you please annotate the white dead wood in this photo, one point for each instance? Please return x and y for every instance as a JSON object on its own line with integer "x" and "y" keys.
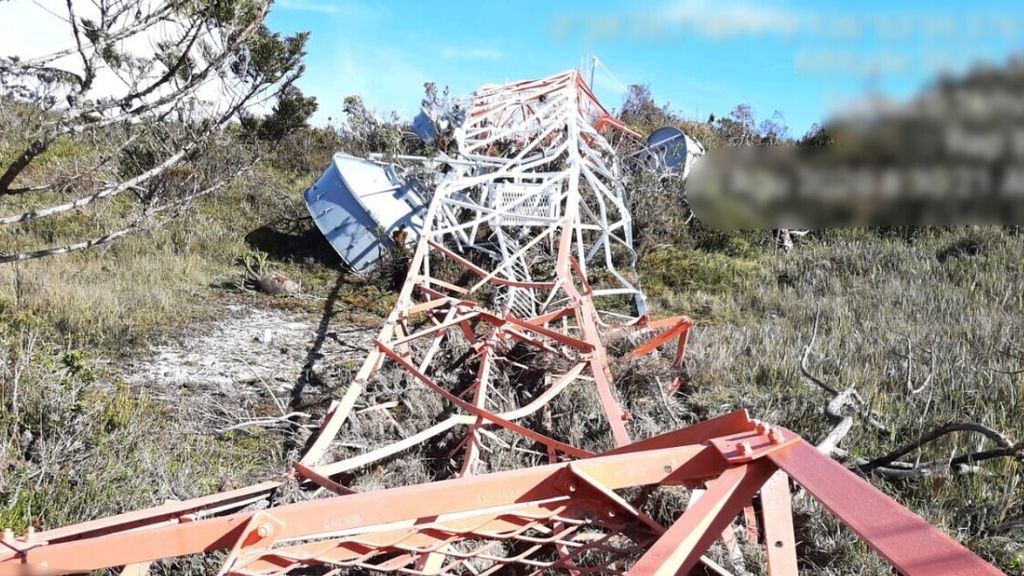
{"x": 842, "y": 410}
{"x": 285, "y": 420}
{"x": 376, "y": 407}
{"x": 849, "y": 397}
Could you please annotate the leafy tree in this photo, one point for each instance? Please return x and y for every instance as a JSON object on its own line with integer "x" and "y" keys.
{"x": 739, "y": 127}
{"x": 817, "y": 136}
{"x": 367, "y": 132}
{"x": 153, "y": 81}
{"x": 774, "y": 130}
{"x": 291, "y": 113}
{"x": 640, "y": 111}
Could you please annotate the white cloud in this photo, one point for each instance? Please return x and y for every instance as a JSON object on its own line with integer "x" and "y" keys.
{"x": 731, "y": 18}
{"x": 471, "y": 53}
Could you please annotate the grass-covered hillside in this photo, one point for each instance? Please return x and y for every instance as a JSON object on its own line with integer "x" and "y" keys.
{"x": 926, "y": 325}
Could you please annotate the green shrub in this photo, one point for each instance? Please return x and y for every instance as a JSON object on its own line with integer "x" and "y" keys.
{"x": 677, "y": 269}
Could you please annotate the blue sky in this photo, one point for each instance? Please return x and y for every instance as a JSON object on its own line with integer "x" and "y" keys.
{"x": 806, "y": 60}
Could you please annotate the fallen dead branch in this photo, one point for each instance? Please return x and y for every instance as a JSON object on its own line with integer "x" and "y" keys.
{"x": 848, "y": 399}
{"x": 1005, "y": 450}
{"x": 283, "y": 420}
{"x": 845, "y": 405}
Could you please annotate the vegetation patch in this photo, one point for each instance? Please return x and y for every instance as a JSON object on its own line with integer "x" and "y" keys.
{"x": 671, "y": 269}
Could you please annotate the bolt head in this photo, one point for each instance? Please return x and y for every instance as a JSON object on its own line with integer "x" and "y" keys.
{"x": 571, "y": 487}
{"x": 744, "y": 448}
{"x": 775, "y": 435}
{"x": 263, "y": 531}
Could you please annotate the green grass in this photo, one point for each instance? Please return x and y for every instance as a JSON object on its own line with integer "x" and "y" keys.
{"x": 962, "y": 319}
{"x": 954, "y": 298}
{"x": 76, "y": 443}
{"x": 69, "y": 426}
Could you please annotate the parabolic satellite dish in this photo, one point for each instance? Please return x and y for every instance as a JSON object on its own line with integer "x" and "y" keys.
{"x": 668, "y": 146}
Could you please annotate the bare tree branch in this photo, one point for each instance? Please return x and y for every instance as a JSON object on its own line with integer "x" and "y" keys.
{"x": 107, "y": 192}
{"x": 89, "y": 71}
{"x": 889, "y": 465}
{"x": 841, "y": 400}
{"x": 77, "y": 120}
{"x": 807, "y": 353}
{"x": 134, "y": 226}
{"x": 56, "y": 250}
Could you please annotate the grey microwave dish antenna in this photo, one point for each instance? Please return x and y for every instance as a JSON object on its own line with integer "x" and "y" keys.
{"x": 669, "y": 147}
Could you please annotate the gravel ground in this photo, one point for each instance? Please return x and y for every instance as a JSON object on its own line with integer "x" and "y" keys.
{"x": 252, "y": 363}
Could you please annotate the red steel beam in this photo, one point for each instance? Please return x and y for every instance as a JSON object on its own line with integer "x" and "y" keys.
{"x": 307, "y": 519}
{"x": 908, "y": 542}
{"x": 557, "y": 505}
{"x": 777, "y": 511}
{"x": 680, "y": 548}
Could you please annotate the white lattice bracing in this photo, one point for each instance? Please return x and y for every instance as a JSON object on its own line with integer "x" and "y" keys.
{"x": 542, "y": 169}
